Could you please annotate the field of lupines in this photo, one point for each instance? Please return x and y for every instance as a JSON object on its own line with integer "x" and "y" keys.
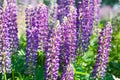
{"x": 63, "y": 40}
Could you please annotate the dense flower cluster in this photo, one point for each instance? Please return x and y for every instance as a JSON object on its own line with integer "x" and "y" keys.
{"x": 87, "y": 12}
{"x": 67, "y": 10}
{"x": 36, "y": 18}
{"x": 103, "y": 52}
{"x": 52, "y": 53}
{"x": 63, "y": 8}
{"x": 86, "y": 23}
{"x": 9, "y": 37}
{"x": 11, "y": 23}
{"x": 5, "y": 61}
{"x": 31, "y": 54}
{"x": 68, "y": 43}
{"x": 32, "y": 41}
{"x": 1, "y": 39}
{"x": 41, "y": 22}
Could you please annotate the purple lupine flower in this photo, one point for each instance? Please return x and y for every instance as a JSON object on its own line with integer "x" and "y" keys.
{"x": 41, "y": 22}
{"x": 66, "y": 8}
{"x": 69, "y": 37}
{"x": 30, "y": 14}
{"x": 11, "y": 17}
{"x": 72, "y": 36}
{"x": 32, "y": 41}
{"x": 5, "y": 64}
{"x": 79, "y": 26}
{"x": 52, "y": 53}
{"x": 1, "y": 35}
{"x": 68, "y": 73}
{"x": 31, "y": 54}
{"x": 63, "y": 8}
{"x": 103, "y": 52}
{"x": 86, "y": 22}
{"x": 65, "y": 55}
{"x": 64, "y": 3}
{"x": 6, "y": 54}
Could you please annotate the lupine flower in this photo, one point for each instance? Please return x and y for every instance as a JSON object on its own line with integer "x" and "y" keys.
{"x": 79, "y": 26}
{"x": 68, "y": 44}
{"x": 5, "y": 60}
{"x": 63, "y": 8}
{"x": 103, "y": 52}
{"x": 31, "y": 54}
{"x": 10, "y": 18}
{"x": 65, "y": 55}
{"x": 1, "y": 35}
{"x": 68, "y": 73}
{"x": 85, "y": 18}
{"x": 52, "y": 53}
{"x": 38, "y": 18}
{"x": 41, "y": 22}
{"x": 68, "y": 48}
{"x": 32, "y": 41}
{"x": 6, "y": 55}
{"x": 30, "y": 14}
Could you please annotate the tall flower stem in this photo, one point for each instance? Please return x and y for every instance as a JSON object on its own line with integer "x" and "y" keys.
{"x": 103, "y": 52}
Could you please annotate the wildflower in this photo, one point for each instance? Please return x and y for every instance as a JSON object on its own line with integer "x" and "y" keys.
{"x": 103, "y": 52}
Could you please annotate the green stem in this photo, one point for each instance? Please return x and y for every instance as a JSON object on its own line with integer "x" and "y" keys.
{"x": 5, "y": 76}
{"x": 81, "y": 73}
{"x": 13, "y": 75}
{"x": 4, "y": 68}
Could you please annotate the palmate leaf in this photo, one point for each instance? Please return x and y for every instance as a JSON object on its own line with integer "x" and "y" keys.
{"x": 108, "y": 77}
{"x": 114, "y": 68}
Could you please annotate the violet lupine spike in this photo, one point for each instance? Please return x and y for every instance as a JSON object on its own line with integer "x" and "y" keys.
{"x": 65, "y": 43}
{"x": 32, "y": 33}
{"x": 52, "y": 53}
{"x": 6, "y": 54}
{"x": 41, "y": 22}
{"x": 66, "y": 8}
{"x": 68, "y": 73}
{"x": 1, "y": 39}
{"x": 32, "y": 47}
{"x": 69, "y": 38}
{"x": 63, "y": 8}
{"x": 11, "y": 18}
{"x": 79, "y": 27}
{"x": 30, "y": 18}
{"x": 4, "y": 44}
{"x": 87, "y": 23}
{"x": 103, "y": 52}
{"x": 73, "y": 32}
{"x": 64, "y": 3}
